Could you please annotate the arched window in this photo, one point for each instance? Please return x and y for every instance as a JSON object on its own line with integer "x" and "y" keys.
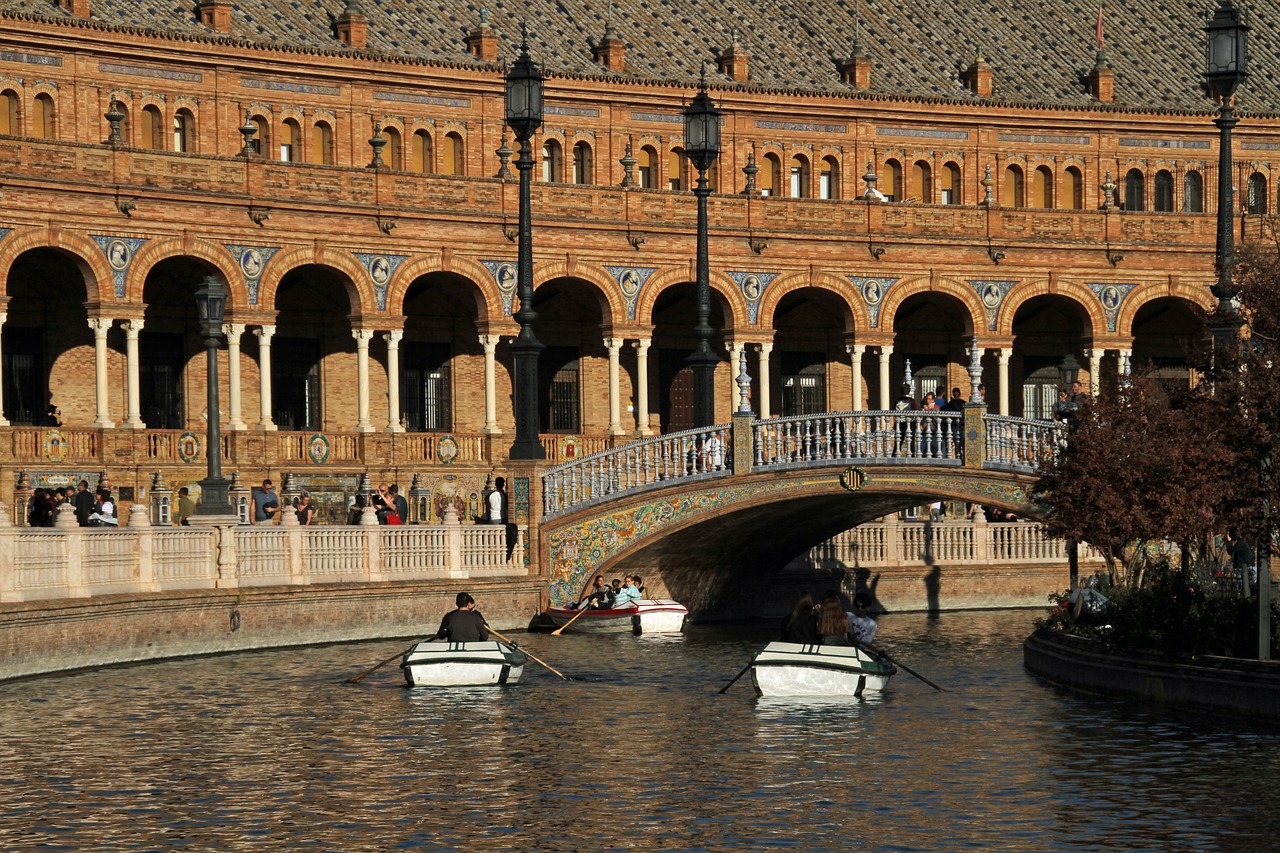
{"x": 770, "y": 178}
{"x": 420, "y": 156}
{"x": 321, "y": 144}
{"x": 583, "y": 168}
{"x": 1073, "y": 188}
{"x": 10, "y": 123}
{"x": 43, "y": 126}
{"x": 829, "y": 178}
{"x": 675, "y": 169}
{"x": 798, "y": 173}
{"x": 263, "y": 135}
{"x": 1013, "y": 193}
{"x": 552, "y": 162}
{"x": 290, "y": 141}
{"x": 891, "y": 186}
{"x": 1193, "y": 192}
{"x": 1162, "y": 200}
{"x": 393, "y": 151}
{"x": 1135, "y": 190}
{"x": 455, "y": 162}
{"x": 922, "y": 182}
{"x": 152, "y": 128}
{"x": 1256, "y": 194}
{"x": 951, "y": 184}
{"x": 645, "y": 167}
{"x": 1042, "y": 188}
{"x": 184, "y": 131}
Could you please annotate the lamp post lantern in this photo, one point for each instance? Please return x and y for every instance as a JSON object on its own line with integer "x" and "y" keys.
{"x": 524, "y": 117}
{"x": 211, "y": 304}
{"x": 1225, "y": 60}
{"x": 702, "y": 147}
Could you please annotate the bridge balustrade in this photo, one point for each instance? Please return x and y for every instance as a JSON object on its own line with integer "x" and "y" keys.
{"x": 875, "y": 436}
{"x": 660, "y": 460}
{"x": 1022, "y": 444}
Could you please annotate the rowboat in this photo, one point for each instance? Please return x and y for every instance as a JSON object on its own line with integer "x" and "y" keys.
{"x": 646, "y": 616}
{"x": 430, "y": 664}
{"x": 796, "y": 669}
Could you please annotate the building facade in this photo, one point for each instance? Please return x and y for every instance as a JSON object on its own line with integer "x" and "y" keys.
{"x": 892, "y": 194}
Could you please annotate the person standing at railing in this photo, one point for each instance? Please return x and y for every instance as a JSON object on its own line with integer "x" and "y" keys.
{"x": 265, "y": 503}
{"x": 402, "y": 505}
{"x": 186, "y": 508}
{"x": 51, "y": 418}
{"x": 84, "y": 502}
{"x": 306, "y": 511}
{"x": 497, "y": 501}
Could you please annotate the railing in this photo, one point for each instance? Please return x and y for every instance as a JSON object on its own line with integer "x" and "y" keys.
{"x": 76, "y": 562}
{"x": 877, "y": 436}
{"x": 650, "y": 462}
{"x": 1022, "y": 444}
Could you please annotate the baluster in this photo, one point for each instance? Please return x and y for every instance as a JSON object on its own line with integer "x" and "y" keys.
{"x": 758, "y": 436}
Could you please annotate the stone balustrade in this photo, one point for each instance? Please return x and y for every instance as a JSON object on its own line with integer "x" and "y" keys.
{"x": 69, "y": 561}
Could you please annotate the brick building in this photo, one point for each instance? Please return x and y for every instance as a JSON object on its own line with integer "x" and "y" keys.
{"x": 898, "y": 184}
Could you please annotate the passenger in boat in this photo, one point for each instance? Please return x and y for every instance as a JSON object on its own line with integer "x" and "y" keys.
{"x": 600, "y": 597}
{"x": 464, "y": 625}
{"x": 801, "y": 625}
{"x": 862, "y": 625}
{"x": 638, "y": 582}
{"x": 833, "y": 622}
{"x": 628, "y": 595}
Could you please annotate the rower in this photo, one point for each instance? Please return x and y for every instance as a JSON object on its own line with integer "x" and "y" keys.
{"x": 465, "y": 624}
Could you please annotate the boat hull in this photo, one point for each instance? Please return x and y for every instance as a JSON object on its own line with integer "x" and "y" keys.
{"x": 649, "y": 616}
{"x": 795, "y": 669}
{"x": 430, "y": 664}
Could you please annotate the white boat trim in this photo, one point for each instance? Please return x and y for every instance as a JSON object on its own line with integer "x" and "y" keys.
{"x": 647, "y": 616}
{"x": 801, "y": 669}
{"x": 431, "y": 664}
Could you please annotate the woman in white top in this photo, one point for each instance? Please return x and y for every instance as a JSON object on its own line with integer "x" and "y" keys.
{"x": 106, "y": 513}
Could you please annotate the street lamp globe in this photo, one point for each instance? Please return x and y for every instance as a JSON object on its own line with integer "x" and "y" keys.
{"x": 1225, "y": 54}
{"x": 211, "y": 306}
{"x": 524, "y": 93}
{"x": 702, "y": 129}
{"x": 1069, "y": 370}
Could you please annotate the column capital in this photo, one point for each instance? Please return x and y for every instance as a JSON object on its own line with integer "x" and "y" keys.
{"x": 1005, "y": 353}
{"x": 855, "y": 349}
{"x": 264, "y": 333}
{"x": 614, "y": 345}
{"x": 766, "y": 346}
{"x": 393, "y": 337}
{"x": 101, "y": 325}
{"x": 886, "y": 350}
{"x": 133, "y": 325}
{"x": 489, "y": 342}
{"x": 363, "y": 336}
{"x": 643, "y": 344}
{"x": 233, "y": 330}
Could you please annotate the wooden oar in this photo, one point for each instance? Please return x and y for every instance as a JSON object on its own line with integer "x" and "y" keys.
{"x": 527, "y": 652}
{"x": 355, "y": 678}
{"x": 745, "y": 670}
{"x": 875, "y": 650}
{"x": 581, "y": 610}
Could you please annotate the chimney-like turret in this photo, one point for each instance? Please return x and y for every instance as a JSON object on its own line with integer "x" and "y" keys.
{"x": 79, "y": 8}
{"x": 978, "y": 77}
{"x": 1102, "y": 79}
{"x": 856, "y": 70}
{"x": 734, "y": 60}
{"x": 352, "y": 26}
{"x": 215, "y": 14}
{"x": 483, "y": 41}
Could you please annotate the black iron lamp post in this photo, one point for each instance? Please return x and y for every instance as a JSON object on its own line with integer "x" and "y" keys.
{"x": 702, "y": 147}
{"x": 1225, "y": 59}
{"x": 524, "y": 117}
{"x": 211, "y": 304}
{"x": 1069, "y": 370}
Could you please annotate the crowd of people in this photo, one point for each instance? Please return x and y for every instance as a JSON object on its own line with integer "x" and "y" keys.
{"x": 828, "y": 623}
{"x": 93, "y": 509}
{"x": 620, "y": 593}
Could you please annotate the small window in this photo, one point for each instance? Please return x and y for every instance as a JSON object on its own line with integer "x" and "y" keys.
{"x": 583, "y": 172}
{"x": 951, "y": 184}
{"x": 152, "y": 128}
{"x": 322, "y": 144}
{"x": 922, "y": 182}
{"x": 1042, "y": 191}
{"x": 455, "y": 161}
{"x": 1256, "y": 194}
{"x": 1163, "y": 198}
{"x": 43, "y": 118}
{"x": 675, "y": 170}
{"x": 552, "y": 163}
{"x": 290, "y": 141}
{"x": 1073, "y": 188}
{"x": 184, "y": 125}
{"x": 891, "y": 186}
{"x": 829, "y": 179}
{"x": 262, "y": 136}
{"x": 10, "y": 124}
{"x": 1135, "y": 190}
{"x": 1193, "y": 193}
{"x": 644, "y": 166}
{"x": 421, "y": 156}
{"x": 1013, "y": 193}
{"x": 798, "y": 170}
{"x": 392, "y": 152}
{"x": 769, "y": 179}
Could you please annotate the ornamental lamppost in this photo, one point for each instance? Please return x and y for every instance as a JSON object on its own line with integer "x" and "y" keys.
{"x": 702, "y": 147}
{"x": 524, "y": 117}
{"x": 1225, "y": 59}
{"x": 211, "y": 304}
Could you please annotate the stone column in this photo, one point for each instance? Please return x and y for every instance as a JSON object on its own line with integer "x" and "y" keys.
{"x": 1094, "y": 357}
{"x": 856, "y": 352}
{"x": 1005, "y": 354}
{"x": 133, "y": 419}
{"x": 393, "y": 379}
{"x": 362, "y": 336}
{"x": 490, "y": 344}
{"x": 614, "y": 347}
{"x": 4, "y": 315}
{"x": 100, "y": 326}
{"x": 235, "y": 418}
{"x": 264, "y": 336}
{"x": 886, "y": 351}
{"x": 765, "y": 349}
{"x": 642, "y": 386}
{"x": 735, "y": 356}
{"x": 1125, "y": 368}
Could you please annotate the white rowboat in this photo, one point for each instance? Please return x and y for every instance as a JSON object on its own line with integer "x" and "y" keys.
{"x": 430, "y": 664}
{"x": 646, "y": 616}
{"x": 795, "y": 669}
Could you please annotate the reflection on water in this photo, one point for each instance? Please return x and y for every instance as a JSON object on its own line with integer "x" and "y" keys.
{"x": 272, "y": 751}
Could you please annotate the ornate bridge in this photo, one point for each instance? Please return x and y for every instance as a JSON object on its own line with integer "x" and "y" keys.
{"x": 703, "y": 509}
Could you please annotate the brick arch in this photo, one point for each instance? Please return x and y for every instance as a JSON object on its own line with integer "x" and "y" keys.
{"x": 720, "y": 283}
{"x": 843, "y": 288}
{"x": 906, "y": 288}
{"x": 99, "y": 281}
{"x": 359, "y": 287}
{"x": 1075, "y": 291}
{"x": 216, "y": 255}
{"x": 1196, "y": 294}
{"x": 591, "y": 273}
{"x": 488, "y": 299}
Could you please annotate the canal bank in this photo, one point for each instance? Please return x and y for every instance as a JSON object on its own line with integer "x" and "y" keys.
{"x": 41, "y": 637}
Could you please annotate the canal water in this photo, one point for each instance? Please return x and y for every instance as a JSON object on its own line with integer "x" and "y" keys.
{"x": 272, "y": 751}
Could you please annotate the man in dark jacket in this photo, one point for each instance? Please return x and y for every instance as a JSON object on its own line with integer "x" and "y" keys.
{"x": 464, "y": 625}
{"x": 84, "y": 502}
